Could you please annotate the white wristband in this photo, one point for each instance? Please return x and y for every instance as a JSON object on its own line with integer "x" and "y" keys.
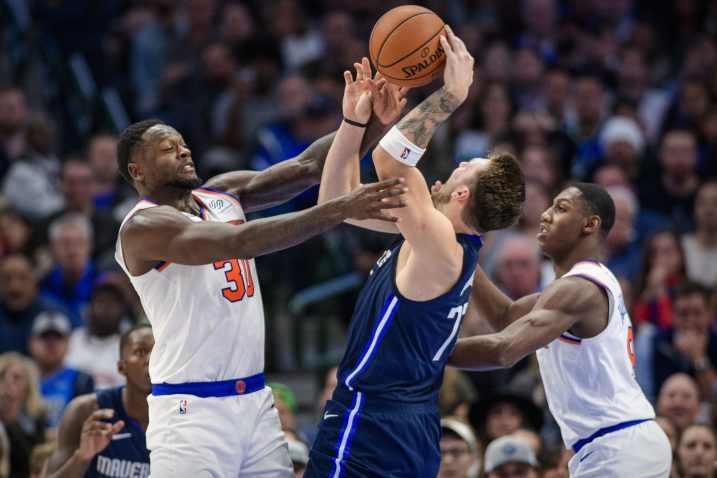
{"x": 400, "y": 148}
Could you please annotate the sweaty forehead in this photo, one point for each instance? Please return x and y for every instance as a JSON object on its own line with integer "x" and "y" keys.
{"x": 159, "y": 132}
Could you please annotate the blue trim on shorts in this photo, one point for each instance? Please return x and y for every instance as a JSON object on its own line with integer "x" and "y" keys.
{"x": 604, "y": 431}
{"x": 225, "y": 388}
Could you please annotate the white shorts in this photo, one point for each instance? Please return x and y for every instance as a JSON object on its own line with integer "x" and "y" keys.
{"x": 222, "y": 437}
{"x": 640, "y": 451}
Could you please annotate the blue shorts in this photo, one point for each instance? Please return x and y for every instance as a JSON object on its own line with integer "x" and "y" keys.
{"x": 360, "y": 436}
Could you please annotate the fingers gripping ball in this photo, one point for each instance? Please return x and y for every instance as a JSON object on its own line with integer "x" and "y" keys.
{"x": 405, "y": 47}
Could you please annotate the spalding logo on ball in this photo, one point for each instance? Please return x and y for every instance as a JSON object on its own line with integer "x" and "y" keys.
{"x": 405, "y": 46}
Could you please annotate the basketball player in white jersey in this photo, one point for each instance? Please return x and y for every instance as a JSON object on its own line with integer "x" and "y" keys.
{"x": 189, "y": 255}
{"x": 583, "y": 336}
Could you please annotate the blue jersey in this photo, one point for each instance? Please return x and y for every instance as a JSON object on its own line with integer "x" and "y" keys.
{"x": 58, "y": 389}
{"x": 127, "y": 454}
{"x": 397, "y": 348}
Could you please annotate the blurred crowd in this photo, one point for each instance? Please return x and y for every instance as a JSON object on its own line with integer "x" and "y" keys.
{"x": 619, "y": 92}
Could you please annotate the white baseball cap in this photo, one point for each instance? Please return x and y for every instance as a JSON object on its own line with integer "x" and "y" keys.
{"x": 508, "y": 449}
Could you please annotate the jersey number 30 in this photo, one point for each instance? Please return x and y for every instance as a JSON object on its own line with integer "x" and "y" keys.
{"x": 238, "y": 274}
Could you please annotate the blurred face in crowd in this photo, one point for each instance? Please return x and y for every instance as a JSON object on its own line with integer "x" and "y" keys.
{"x": 514, "y": 470}
{"x": 696, "y": 452}
{"x": 632, "y": 75}
{"x": 102, "y": 156}
{"x": 72, "y": 248}
{"x": 679, "y": 400}
{"x": 678, "y": 154}
{"x": 106, "y": 313}
{"x": 555, "y": 92}
{"x": 664, "y": 250}
{"x": 694, "y": 100}
{"x": 706, "y": 208}
{"x": 15, "y": 231}
{"x": 14, "y": 389}
{"x": 48, "y": 350}
{"x": 13, "y": 111}
{"x": 456, "y": 457}
{"x": 18, "y": 286}
{"x": 691, "y": 312}
{"x": 622, "y": 230}
{"x": 538, "y": 165}
{"x": 611, "y": 175}
{"x": 518, "y": 268}
{"x": 78, "y": 186}
{"x": 236, "y": 22}
{"x": 294, "y": 94}
{"x": 503, "y": 419}
{"x": 589, "y": 99}
{"x": 536, "y": 201}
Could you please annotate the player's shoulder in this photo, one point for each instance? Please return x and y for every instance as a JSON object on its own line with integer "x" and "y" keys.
{"x": 571, "y": 292}
{"x": 81, "y": 407}
{"x": 159, "y": 216}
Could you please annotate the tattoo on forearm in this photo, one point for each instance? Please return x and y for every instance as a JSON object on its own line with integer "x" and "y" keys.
{"x": 420, "y": 124}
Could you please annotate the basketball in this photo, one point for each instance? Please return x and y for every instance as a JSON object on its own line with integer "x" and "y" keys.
{"x": 405, "y": 47}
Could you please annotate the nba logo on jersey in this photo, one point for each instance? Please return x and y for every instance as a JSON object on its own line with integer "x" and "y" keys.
{"x": 182, "y": 407}
{"x": 405, "y": 153}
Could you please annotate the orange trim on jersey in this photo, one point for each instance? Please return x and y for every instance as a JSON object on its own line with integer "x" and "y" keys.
{"x": 595, "y": 263}
{"x": 219, "y": 193}
{"x": 147, "y": 201}
{"x": 569, "y": 340}
{"x": 161, "y": 266}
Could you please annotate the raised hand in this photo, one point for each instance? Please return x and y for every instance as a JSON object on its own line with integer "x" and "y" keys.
{"x": 96, "y": 434}
{"x": 369, "y": 200}
{"x": 356, "y": 104}
{"x": 458, "y": 74}
{"x": 388, "y": 100}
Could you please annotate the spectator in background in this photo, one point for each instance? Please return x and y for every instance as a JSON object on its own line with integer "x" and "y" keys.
{"x": 510, "y": 457}
{"x": 31, "y": 184}
{"x": 22, "y": 412}
{"x": 590, "y": 97}
{"x": 633, "y": 83}
{"x": 697, "y": 452}
{"x": 662, "y": 268}
{"x": 19, "y": 303}
{"x": 16, "y": 234}
{"x": 111, "y": 195}
{"x": 518, "y": 267}
{"x": 622, "y": 143}
{"x": 78, "y": 189}
{"x": 285, "y": 403}
{"x": 691, "y": 345}
{"x": 679, "y": 401}
{"x": 14, "y": 116}
{"x": 48, "y": 347}
{"x": 701, "y": 246}
{"x": 460, "y": 453}
{"x": 673, "y": 193}
{"x": 95, "y": 347}
{"x": 555, "y": 97}
{"x": 621, "y": 250}
{"x": 503, "y": 413}
{"x": 70, "y": 280}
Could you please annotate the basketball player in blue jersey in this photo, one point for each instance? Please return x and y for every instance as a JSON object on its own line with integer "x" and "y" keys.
{"x": 583, "y": 336}
{"x": 103, "y": 434}
{"x": 383, "y": 419}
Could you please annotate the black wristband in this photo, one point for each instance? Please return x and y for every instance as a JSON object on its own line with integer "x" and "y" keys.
{"x": 355, "y": 123}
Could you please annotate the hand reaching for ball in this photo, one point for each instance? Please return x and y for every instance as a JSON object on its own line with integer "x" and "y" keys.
{"x": 385, "y": 99}
{"x": 458, "y": 75}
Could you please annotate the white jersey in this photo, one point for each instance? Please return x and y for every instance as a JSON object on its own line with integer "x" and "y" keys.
{"x": 590, "y": 383}
{"x": 208, "y": 320}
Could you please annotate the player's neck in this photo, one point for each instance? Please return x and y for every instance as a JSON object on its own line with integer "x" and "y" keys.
{"x": 135, "y": 405}
{"x": 180, "y": 199}
{"x": 565, "y": 262}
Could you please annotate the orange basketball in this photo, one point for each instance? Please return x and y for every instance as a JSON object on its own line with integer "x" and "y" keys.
{"x": 404, "y": 45}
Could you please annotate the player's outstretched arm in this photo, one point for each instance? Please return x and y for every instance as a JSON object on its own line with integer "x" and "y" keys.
{"x": 164, "y": 234}
{"x": 559, "y": 307}
{"x": 341, "y": 172}
{"x": 428, "y": 231}
{"x": 82, "y": 435}
{"x": 281, "y": 182}
{"x": 490, "y": 310}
